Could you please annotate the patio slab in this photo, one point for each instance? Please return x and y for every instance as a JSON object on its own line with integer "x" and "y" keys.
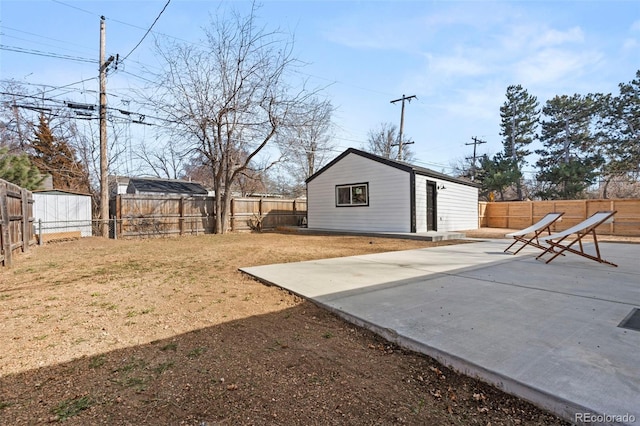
{"x": 548, "y": 333}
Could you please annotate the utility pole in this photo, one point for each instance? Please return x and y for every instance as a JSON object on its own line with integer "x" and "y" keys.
{"x": 475, "y": 143}
{"x": 399, "y": 144}
{"x": 104, "y": 190}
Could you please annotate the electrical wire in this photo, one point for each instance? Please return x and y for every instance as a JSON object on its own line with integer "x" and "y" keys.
{"x": 65, "y": 43}
{"x": 47, "y": 54}
{"x": 148, "y": 31}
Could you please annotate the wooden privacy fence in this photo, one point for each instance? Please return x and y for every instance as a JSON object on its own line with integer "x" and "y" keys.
{"x": 16, "y": 221}
{"x": 521, "y": 214}
{"x": 158, "y": 215}
{"x": 266, "y": 213}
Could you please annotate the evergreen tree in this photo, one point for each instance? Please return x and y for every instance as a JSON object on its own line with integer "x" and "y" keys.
{"x": 519, "y": 120}
{"x": 570, "y": 159}
{"x": 55, "y": 156}
{"x": 496, "y": 175}
{"x": 18, "y": 170}
{"x": 620, "y": 130}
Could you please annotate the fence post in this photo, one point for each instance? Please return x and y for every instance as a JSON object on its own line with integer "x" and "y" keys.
{"x": 232, "y": 208}
{"x": 119, "y": 210}
{"x": 181, "y": 213}
{"x": 25, "y": 221}
{"x": 295, "y": 213}
{"x": 39, "y": 232}
{"x": 612, "y": 224}
{"x": 115, "y": 227}
{"x": 4, "y": 224}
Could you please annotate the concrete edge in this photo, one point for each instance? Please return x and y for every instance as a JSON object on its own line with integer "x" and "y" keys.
{"x": 372, "y": 234}
{"x": 556, "y": 405}
{"x": 559, "y": 406}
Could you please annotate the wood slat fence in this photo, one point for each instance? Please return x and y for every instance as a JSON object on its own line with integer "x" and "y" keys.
{"x": 16, "y": 221}
{"x": 521, "y": 214}
{"x": 266, "y": 213}
{"x": 161, "y": 215}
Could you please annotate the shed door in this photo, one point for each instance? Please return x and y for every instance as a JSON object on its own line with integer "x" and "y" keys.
{"x": 431, "y": 207}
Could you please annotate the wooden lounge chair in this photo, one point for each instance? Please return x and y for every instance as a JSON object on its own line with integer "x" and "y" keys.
{"x": 536, "y": 229}
{"x": 584, "y": 228}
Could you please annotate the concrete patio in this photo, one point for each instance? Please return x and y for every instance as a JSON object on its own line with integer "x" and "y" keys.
{"x": 548, "y": 333}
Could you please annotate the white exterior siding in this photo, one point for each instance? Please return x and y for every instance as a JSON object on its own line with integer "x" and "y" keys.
{"x": 421, "y": 203}
{"x": 456, "y": 205}
{"x": 389, "y": 197}
{"x": 62, "y": 213}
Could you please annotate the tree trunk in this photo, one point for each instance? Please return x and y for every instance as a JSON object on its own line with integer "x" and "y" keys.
{"x": 219, "y": 210}
{"x": 226, "y": 207}
{"x": 606, "y": 188}
{"x": 519, "y": 189}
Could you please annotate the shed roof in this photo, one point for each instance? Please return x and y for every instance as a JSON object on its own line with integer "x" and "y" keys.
{"x": 166, "y": 186}
{"x": 393, "y": 163}
{"x": 59, "y": 192}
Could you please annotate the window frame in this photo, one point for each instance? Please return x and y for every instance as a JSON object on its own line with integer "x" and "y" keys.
{"x": 351, "y": 187}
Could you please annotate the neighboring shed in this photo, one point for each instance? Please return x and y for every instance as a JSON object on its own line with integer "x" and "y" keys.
{"x": 117, "y": 185}
{"x": 153, "y": 186}
{"x": 359, "y": 191}
{"x": 61, "y": 214}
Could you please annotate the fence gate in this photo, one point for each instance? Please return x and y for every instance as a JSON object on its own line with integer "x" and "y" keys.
{"x": 16, "y": 221}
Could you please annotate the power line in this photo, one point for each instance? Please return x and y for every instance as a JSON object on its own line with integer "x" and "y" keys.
{"x": 46, "y": 54}
{"x": 66, "y": 43}
{"x": 51, "y": 88}
{"x": 94, "y": 14}
{"x": 73, "y": 7}
{"x": 149, "y": 30}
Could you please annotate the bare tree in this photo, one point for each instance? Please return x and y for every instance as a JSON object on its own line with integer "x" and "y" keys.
{"x": 17, "y": 114}
{"x": 383, "y": 141}
{"x": 164, "y": 162}
{"x": 307, "y": 144}
{"x": 228, "y": 98}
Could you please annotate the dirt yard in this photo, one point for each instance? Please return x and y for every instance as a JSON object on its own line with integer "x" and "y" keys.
{"x": 168, "y": 332}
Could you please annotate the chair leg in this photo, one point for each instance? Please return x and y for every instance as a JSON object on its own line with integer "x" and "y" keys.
{"x": 529, "y": 241}
{"x": 507, "y": 249}
{"x": 580, "y": 252}
{"x": 552, "y": 249}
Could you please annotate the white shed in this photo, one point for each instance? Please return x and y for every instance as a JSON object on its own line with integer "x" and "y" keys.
{"x": 61, "y": 214}
{"x": 359, "y": 191}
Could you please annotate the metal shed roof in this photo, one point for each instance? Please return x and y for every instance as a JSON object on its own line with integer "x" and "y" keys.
{"x": 166, "y": 186}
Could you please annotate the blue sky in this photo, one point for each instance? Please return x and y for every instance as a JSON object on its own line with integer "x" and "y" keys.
{"x": 457, "y": 57}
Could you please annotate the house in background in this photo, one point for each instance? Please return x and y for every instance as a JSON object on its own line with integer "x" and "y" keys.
{"x": 173, "y": 187}
{"x": 119, "y": 185}
{"x": 363, "y": 192}
{"x": 61, "y": 214}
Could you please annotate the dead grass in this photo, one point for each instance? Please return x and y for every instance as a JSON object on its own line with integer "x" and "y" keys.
{"x": 168, "y": 331}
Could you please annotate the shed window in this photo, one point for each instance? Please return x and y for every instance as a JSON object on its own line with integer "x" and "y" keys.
{"x": 352, "y": 195}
